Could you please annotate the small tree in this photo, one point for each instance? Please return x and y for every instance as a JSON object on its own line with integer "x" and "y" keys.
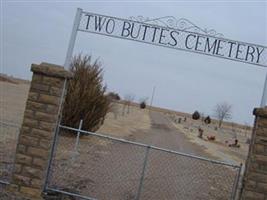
{"x": 114, "y": 109}
{"x": 247, "y": 129}
{"x": 223, "y": 111}
{"x": 85, "y": 98}
{"x": 128, "y": 98}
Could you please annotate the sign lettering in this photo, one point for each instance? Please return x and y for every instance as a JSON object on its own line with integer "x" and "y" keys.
{"x": 174, "y": 38}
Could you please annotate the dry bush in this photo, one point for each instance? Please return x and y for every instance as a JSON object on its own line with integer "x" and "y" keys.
{"x": 142, "y": 105}
{"x": 114, "y": 109}
{"x": 113, "y": 96}
{"x": 128, "y": 99}
{"x": 143, "y": 102}
{"x": 196, "y": 115}
{"x": 85, "y": 98}
{"x": 223, "y": 111}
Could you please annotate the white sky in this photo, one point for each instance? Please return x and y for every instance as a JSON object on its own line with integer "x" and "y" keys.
{"x": 35, "y": 32}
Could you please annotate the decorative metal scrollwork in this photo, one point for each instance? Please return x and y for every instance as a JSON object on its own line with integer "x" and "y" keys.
{"x": 181, "y": 24}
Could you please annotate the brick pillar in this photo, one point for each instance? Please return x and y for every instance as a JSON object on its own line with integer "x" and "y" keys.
{"x": 38, "y": 128}
{"x": 255, "y": 178}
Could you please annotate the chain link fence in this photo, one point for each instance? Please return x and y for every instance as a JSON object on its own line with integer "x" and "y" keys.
{"x": 95, "y": 166}
{"x": 8, "y": 142}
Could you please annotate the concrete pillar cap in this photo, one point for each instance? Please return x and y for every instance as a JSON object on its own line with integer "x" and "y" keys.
{"x": 51, "y": 70}
{"x": 261, "y": 112}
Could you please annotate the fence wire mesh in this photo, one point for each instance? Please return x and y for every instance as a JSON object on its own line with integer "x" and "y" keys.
{"x": 172, "y": 176}
{"x": 104, "y": 168}
{"x": 8, "y": 142}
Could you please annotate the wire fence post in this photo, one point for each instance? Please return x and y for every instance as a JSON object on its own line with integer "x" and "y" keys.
{"x": 235, "y": 186}
{"x": 264, "y": 94}
{"x": 142, "y": 174}
{"x": 55, "y": 138}
{"x": 139, "y": 181}
{"x": 78, "y": 135}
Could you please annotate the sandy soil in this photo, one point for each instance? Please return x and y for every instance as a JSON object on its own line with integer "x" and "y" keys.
{"x": 121, "y": 124}
{"x": 12, "y": 100}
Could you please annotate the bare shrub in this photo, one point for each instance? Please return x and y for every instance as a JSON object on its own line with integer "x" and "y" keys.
{"x": 223, "y": 111}
{"x": 128, "y": 98}
{"x": 114, "y": 109}
{"x": 85, "y": 98}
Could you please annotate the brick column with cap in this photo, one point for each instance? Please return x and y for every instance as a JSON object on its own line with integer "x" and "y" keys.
{"x": 255, "y": 178}
{"x": 38, "y": 129}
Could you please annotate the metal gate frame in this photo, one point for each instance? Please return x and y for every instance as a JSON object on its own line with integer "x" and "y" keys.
{"x": 234, "y": 193}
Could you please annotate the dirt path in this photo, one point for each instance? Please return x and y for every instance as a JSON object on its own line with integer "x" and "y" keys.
{"x": 165, "y": 135}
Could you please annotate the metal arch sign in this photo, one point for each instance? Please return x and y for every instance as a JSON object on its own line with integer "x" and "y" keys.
{"x": 167, "y": 36}
{"x": 172, "y": 38}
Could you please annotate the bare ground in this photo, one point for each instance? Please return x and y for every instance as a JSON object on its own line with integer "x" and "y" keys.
{"x": 13, "y": 95}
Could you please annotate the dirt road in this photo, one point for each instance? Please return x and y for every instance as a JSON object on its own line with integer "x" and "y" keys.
{"x": 165, "y": 135}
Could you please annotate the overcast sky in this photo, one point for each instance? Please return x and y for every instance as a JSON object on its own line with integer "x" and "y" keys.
{"x": 35, "y": 32}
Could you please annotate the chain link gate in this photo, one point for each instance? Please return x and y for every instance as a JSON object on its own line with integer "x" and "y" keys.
{"x": 9, "y": 135}
{"x": 100, "y": 167}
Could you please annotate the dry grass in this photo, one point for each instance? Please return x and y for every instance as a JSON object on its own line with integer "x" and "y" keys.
{"x": 12, "y": 100}
{"x": 218, "y": 148}
{"x": 123, "y": 126}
